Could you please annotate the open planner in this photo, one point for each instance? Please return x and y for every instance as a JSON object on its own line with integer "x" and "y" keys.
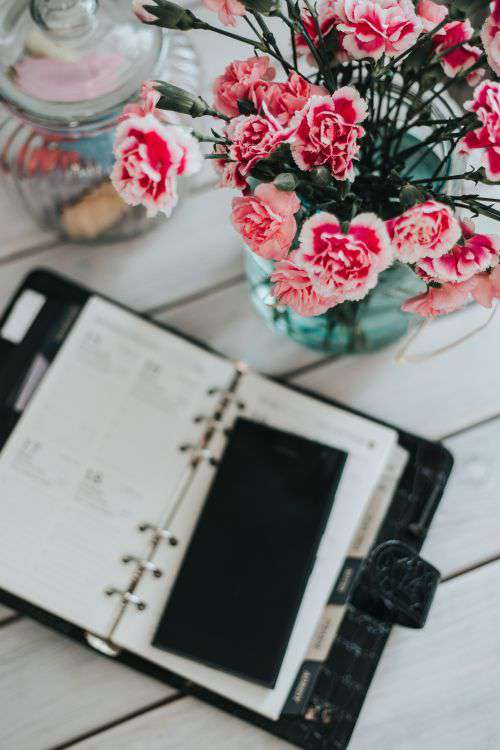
{"x": 172, "y": 509}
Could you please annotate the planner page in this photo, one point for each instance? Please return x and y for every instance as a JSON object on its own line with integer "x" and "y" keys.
{"x": 96, "y": 454}
{"x": 369, "y": 447}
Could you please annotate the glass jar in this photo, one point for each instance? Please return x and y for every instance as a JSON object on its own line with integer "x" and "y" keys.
{"x": 67, "y": 68}
{"x": 375, "y": 321}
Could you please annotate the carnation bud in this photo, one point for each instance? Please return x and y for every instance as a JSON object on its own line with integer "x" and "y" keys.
{"x": 164, "y": 13}
{"x": 286, "y": 181}
{"x": 321, "y": 176}
{"x": 265, "y": 7}
{"x": 176, "y": 99}
{"x": 410, "y": 195}
{"x": 141, "y": 13}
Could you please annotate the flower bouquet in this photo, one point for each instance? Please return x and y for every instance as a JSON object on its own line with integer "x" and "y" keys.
{"x": 347, "y": 148}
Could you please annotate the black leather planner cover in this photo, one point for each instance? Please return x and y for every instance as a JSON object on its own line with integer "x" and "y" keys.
{"x": 251, "y": 554}
{"x": 394, "y": 587}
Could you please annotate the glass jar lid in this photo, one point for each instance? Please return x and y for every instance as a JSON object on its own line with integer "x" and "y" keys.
{"x": 70, "y": 62}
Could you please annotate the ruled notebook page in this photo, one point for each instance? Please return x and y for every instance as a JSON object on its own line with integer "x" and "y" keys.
{"x": 94, "y": 455}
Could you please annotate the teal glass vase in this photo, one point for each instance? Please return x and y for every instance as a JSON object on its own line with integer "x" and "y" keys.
{"x": 373, "y": 322}
{"x": 370, "y": 324}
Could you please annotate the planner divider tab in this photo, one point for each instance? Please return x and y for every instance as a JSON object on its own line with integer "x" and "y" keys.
{"x": 197, "y": 452}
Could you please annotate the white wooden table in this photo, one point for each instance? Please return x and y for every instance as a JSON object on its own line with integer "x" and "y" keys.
{"x": 436, "y": 689}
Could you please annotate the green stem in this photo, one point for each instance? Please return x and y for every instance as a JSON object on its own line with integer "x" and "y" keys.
{"x": 322, "y": 52}
{"x": 270, "y": 41}
{"x": 448, "y": 85}
{"x": 245, "y": 40}
{"x": 463, "y": 176}
{"x": 292, "y": 34}
{"x": 299, "y": 26}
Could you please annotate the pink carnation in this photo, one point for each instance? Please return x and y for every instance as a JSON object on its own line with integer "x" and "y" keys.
{"x": 341, "y": 264}
{"x": 477, "y": 254}
{"x": 238, "y": 81}
{"x": 486, "y": 105}
{"x": 149, "y": 157}
{"x": 293, "y": 287}
{"x": 254, "y": 138}
{"x": 426, "y": 230}
{"x": 327, "y": 132}
{"x": 487, "y": 287}
{"x": 461, "y": 58}
{"x": 372, "y": 28}
{"x": 266, "y": 220}
{"x": 439, "y": 300}
{"x": 283, "y": 100}
{"x": 431, "y": 14}
{"x": 490, "y": 36}
{"x": 227, "y": 10}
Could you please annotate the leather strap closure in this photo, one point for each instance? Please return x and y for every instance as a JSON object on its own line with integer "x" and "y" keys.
{"x": 402, "y": 582}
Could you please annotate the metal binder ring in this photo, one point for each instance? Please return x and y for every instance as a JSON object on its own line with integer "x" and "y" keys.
{"x": 143, "y": 564}
{"x": 160, "y": 533}
{"x": 228, "y": 395}
{"x": 198, "y": 452}
{"x": 212, "y": 423}
{"x": 127, "y": 597}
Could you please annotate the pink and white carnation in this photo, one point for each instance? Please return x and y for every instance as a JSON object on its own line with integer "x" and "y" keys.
{"x": 293, "y": 287}
{"x": 266, "y": 220}
{"x": 230, "y": 176}
{"x": 431, "y": 14}
{"x": 327, "y": 130}
{"x": 283, "y": 100}
{"x": 326, "y": 20}
{"x": 373, "y": 28}
{"x": 149, "y": 157}
{"x": 344, "y": 265}
{"x": 227, "y": 10}
{"x": 486, "y": 105}
{"x": 254, "y": 138}
{"x": 238, "y": 81}
{"x": 426, "y": 230}
{"x": 478, "y": 253}
{"x": 147, "y": 104}
{"x": 461, "y": 58}
{"x": 440, "y": 300}
{"x": 490, "y": 36}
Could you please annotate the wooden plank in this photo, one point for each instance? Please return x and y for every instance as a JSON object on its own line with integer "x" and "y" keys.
{"x": 435, "y": 398}
{"x": 53, "y": 689}
{"x": 227, "y": 321}
{"x": 434, "y": 689}
{"x": 195, "y": 249}
{"x": 465, "y": 530}
{"x": 187, "y": 724}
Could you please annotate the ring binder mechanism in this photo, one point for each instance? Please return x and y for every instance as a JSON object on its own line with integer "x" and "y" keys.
{"x": 159, "y": 532}
{"x": 199, "y": 452}
{"x": 145, "y": 564}
{"x": 127, "y": 597}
